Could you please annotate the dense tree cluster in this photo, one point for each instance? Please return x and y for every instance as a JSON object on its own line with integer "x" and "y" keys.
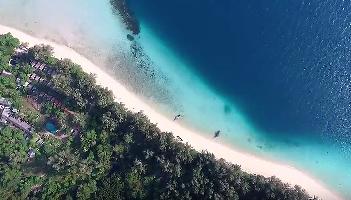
{"x": 114, "y": 153}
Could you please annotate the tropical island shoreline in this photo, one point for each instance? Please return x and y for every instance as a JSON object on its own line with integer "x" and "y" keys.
{"x": 248, "y": 163}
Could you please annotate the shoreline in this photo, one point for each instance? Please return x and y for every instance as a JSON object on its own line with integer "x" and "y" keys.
{"x": 249, "y": 163}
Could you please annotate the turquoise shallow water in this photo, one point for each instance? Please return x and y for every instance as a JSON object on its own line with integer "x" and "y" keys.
{"x": 171, "y": 76}
{"x": 206, "y": 109}
{"x": 51, "y": 127}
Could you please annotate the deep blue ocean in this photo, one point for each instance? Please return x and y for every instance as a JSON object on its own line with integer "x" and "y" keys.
{"x": 286, "y": 60}
{"x": 285, "y": 64}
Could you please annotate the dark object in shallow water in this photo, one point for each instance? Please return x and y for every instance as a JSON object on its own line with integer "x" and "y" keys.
{"x": 217, "y": 133}
{"x": 130, "y": 37}
{"x": 176, "y": 117}
{"x": 128, "y": 18}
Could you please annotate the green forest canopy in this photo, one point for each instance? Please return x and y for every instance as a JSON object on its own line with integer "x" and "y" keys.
{"x": 115, "y": 154}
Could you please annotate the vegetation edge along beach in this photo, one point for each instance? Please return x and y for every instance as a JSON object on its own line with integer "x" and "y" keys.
{"x": 111, "y": 152}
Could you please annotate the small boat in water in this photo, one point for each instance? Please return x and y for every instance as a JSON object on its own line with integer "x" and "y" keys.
{"x": 217, "y": 133}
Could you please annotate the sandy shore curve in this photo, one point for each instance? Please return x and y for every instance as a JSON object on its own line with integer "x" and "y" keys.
{"x": 248, "y": 162}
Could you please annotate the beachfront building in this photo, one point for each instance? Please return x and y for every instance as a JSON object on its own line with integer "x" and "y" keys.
{"x": 7, "y": 116}
{"x": 42, "y": 67}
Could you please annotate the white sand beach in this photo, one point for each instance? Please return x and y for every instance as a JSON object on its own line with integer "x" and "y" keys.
{"x": 248, "y": 162}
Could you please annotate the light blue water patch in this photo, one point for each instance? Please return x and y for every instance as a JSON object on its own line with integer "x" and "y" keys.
{"x": 320, "y": 159}
{"x": 208, "y": 111}
{"x": 201, "y": 106}
{"x": 50, "y": 126}
{"x": 88, "y": 26}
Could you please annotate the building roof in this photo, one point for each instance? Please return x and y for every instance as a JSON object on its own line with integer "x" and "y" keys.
{"x": 6, "y": 114}
{"x": 4, "y": 102}
{"x": 20, "y": 124}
